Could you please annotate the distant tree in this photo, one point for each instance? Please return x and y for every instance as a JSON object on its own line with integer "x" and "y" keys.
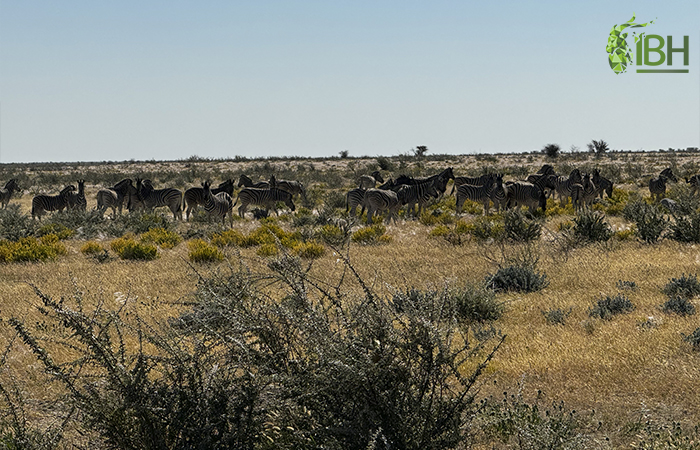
{"x": 344, "y": 154}
{"x": 574, "y": 148}
{"x": 598, "y": 147}
{"x": 551, "y": 150}
{"x": 420, "y": 151}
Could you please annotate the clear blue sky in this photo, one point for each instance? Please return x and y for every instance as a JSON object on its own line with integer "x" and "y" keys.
{"x": 91, "y": 80}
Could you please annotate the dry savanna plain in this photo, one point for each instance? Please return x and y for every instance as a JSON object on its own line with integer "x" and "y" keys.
{"x": 631, "y": 378}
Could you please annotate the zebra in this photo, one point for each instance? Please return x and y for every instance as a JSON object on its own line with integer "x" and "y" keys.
{"x": 266, "y": 198}
{"x": 577, "y": 196}
{"x": 114, "y": 197}
{"x": 153, "y": 198}
{"x": 589, "y": 190}
{"x": 694, "y": 183}
{"x": 602, "y": 185}
{"x": 77, "y": 200}
{"x": 563, "y": 185}
{"x": 657, "y": 186}
{"x": 441, "y": 180}
{"x": 417, "y": 194}
{"x": 547, "y": 183}
{"x": 378, "y": 200}
{"x": 44, "y": 203}
{"x": 499, "y": 193}
{"x": 474, "y": 181}
{"x": 370, "y": 181}
{"x": 195, "y": 196}
{"x": 219, "y": 204}
{"x": 293, "y": 187}
{"x": 6, "y": 192}
{"x": 546, "y": 169}
{"x": 354, "y": 198}
{"x": 527, "y": 194}
{"x": 476, "y": 193}
{"x": 245, "y": 181}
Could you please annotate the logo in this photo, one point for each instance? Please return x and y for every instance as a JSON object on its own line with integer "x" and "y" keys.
{"x": 620, "y": 55}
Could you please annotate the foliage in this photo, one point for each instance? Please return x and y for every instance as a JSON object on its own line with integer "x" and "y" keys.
{"x": 686, "y": 228}
{"x": 161, "y": 237}
{"x": 517, "y": 278}
{"x": 608, "y": 306}
{"x": 228, "y": 238}
{"x": 591, "y": 226}
{"x": 45, "y": 248}
{"x": 309, "y": 250}
{"x": 679, "y": 305}
{"x": 58, "y": 229}
{"x": 551, "y": 150}
{"x": 385, "y": 164}
{"x": 333, "y": 234}
{"x": 137, "y": 223}
{"x": 372, "y": 234}
{"x": 650, "y": 223}
{"x": 484, "y": 228}
{"x": 201, "y": 251}
{"x": 91, "y": 248}
{"x": 420, "y": 151}
{"x": 556, "y": 316}
{"x": 518, "y": 227}
{"x": 14, "y": 225}
{"x": 128, "y": 248}
{"x": 599, "y": 148}
{"x": 653, "y": 436}
{"x": 687, "y": 286}
{"x": 622, "y": 285}
{"x": 693, "y": 338}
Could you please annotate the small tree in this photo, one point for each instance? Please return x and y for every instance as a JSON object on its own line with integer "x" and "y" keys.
{"x": 598, "y": 147}
{"x": 420, "y": 151}
{"x": 344, "y": 154}
{"x": 551, "y": 150}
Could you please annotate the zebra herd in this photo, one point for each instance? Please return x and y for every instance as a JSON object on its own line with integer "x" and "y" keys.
{"x": 142, "y": 195}
{"x": 413, "y": 193}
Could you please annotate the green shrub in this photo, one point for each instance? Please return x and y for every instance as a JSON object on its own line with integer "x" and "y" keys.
{"x": 484, "y": 228}
{"x": 590, "y": 226}
{"x": 58, "y": 229}
{"x": 517, "y": 278}
{"x": 686, "y": 228}
{"x": 267, "y": 250}
{"x": 607, "y": 307}
{"x": 518, "y": 227}
{"x": 649, "y": 221}
{"x": 476, "y": 304}
{"x": 687, "y": 286}
{"x": 91, "y": 248}
{"x": 334, "y": 235}
{"x": 201, "y": 251}
{"x": 556, "y": 316}
{"x": 128, "y": 248}
{"x": 14, "y": 225}
{"x": 622, "y": 285}
{"x": 85, "y": 224}
{"x": 161, "y": 237}
{"x": 679, "y": 305}
{"x": 30, "y": 249}
{"x": 229, "y": 238}
{"x": 372, "y": 234}
{"x": 309, "y": 250}
{"x": 693, "y": 338}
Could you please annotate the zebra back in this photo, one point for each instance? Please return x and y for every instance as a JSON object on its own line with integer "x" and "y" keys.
{"x": 379, "y": 200}
{"x": 266, "y": 198}
{"x": 77, "y": 200}
{"x": 474, "y": 181}
{"x": 108, "y": 198}
{"x": 154, "y": 198}
{"x": 7, "y": 191}
{"x": 245, "y": 181}
{"x": 217, "y": 205}
{"x": 475, "y": 193}
{"x": 353, "y": 198}
{"x": 44, "y": 203}
{"x": 527, "y": 194}
{"x": 293, "y": 187}
{"x": 194, "y": 196}
{"x": 417, "y": 194}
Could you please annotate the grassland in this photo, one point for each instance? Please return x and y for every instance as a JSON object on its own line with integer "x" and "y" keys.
{"x": 629, "y": 369}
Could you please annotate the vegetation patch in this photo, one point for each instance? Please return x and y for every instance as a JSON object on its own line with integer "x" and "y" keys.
{"x": 128, "y": 248}
{"x": 679, "y": 305}
{"x": 60, "y": 230}
{"x": 309, "y": 250}
{"x": 372, "y": 234}
{"x": 161, "y": 237}
{"x": 687, "y": 286}
{"x": 608, "y": 307}
{"x": 590, "y": 226}
{"x": 202, "y": 252}
{"x": 31, "y": 249}
{"x": 517, "y": 278}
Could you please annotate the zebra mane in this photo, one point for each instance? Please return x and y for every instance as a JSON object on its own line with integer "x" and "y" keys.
{"x": 67, "y": 189}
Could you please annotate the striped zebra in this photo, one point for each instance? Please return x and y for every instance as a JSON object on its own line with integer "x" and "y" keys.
{"x": 245, "y": 181}
{"x": 195, "y": 196}
{"x": 378, "y": 200}
{"x": 441, "y": 180}
{"x": 499, "y": 193}
{"x": 7, "y": 191}
{"x": 546, "y": 169}
{"x": 417, "y": 195}
{"x": 526, "y": 194}
{"x": 370, "y": 181}
{"x": 353, "y": 199}
{"x": 474, "y": 181}
{"x": 564, "y": 185}
{"x": 657, "y": 186}
{"x": 293, "y": 187}
{"x": 77, "y": 200}
{"x": 266, "y": 198}
{"x": 45, "y": 203}
{"x": 602, "y": 185}
{"x": 577, "y": 196}
{"x": 546, "y": 183}
{"x": 694, "y": 183}
{"x": 481, "y": 194}
{"x": 114, "y": 197}
{"x": 589, "y": 190}
{"x": 218, "y": 204}
{"x": 154, "y": 198}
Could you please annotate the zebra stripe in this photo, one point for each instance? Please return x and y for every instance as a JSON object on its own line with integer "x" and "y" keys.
{"x": 657, "y": 186}
{"x": 499, "y": 193}
{"x": 481, "y": 194}
{"x": 547, "y": 169}
{"x": 218, "y": 205}
{"x": 114, "y": 197}
{"x": 563, "y": 185}
{"x": 577, "y": 196}
{"x": 602, "y": 185}
{"x": 474, "y": 181}
{"x": 77, "y": 200}
{"x": 154, "y": 198}
{"x": 195, "y": 196}
{"x": 442, "y": 179}
{"x": 526, "y": 194}
{"x": 266, "y": 198}
{"x": 370, "y": 181}
{"x": 354, "y": 198}
{"x": 7, "y": 191}
{"x": 44, "y": 203}
{"x": 589, "y": 190}
{"x": 378, "y": 200}
{"x": 694, "y": 183}
{"x": 293, "y": 187}
{"x": 245, "y": 181}
{"x": 417, "y": 195}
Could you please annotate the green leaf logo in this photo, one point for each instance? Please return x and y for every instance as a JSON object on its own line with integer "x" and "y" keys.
{"x": 619, "y": 54}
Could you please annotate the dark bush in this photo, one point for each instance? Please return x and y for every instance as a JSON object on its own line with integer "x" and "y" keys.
{"x": 679, "y": 305}
{"x": 591, "y": 226}
{"x": 622, "y": 285}
{"x": 687, "y": 286}
{"x": 686, "y": 228}
{"x": 518, "y": 227}
{"x": 608, "y": 307}
{"x": 517, "y": 278}
{"x": 556, "y": 316}
{"x": 693, "y": 338}
{"x": 476, "y": 304}
{"x": 385, "y": 164}
{"x": 14, "y": 225}
{"x": 551, "y": 150}
{"x": 650, "y": 223}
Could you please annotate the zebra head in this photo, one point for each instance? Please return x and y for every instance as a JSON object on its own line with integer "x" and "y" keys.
{"x": 67, "y": 190}
{"x": 226, "y": 186}
{"x": 447, "y": 173}
{"x": 288, "y": 200}
{"x": 12, "y": 185}
{"x": 668, "y": 173}
{"x": 123, "y": 186}
{"x": 207, "y": 188}
{"x": 377, "y": 176}
{"x": 244, "y": 181}
{"x": 546, "y": 170}
{"x": 81, "y": 187}
{"x": 575, "y": 176}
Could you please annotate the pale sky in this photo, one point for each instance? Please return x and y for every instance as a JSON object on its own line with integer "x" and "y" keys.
{"x": 92, "y": 81}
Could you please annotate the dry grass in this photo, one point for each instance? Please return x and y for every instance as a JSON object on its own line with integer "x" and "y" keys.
{"x": 617, "y": 367}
